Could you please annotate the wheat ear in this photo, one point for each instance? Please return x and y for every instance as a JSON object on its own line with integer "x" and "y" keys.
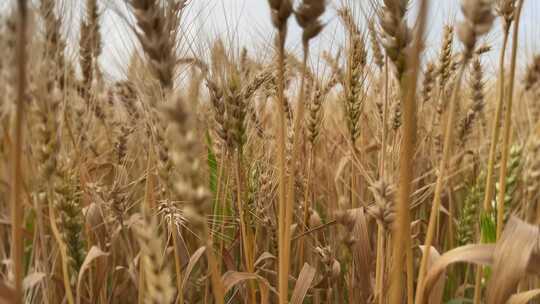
{"x": 157, "y": 35}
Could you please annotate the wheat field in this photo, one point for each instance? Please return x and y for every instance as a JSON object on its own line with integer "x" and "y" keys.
{"x": 387, "y": 168}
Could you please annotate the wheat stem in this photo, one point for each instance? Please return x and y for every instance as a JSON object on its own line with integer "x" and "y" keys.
{"x": 380, "y": 267}
{"x": 435, "y": 205}
{"x": 16, "y": 197}
{"x": 495, "y": 129}
{"x": 283, "y": 263}
{"x": 379, "y": 273}
{"x": 478, "y": 284}
{"x": 217, "y": 285}
{"x": 488, "y": 192}
{"x": 507, "y": 128}
{"x": 295, "y": 151}
{"x": 246, "y": 233}
{"x": 219, "y": 210}
{"x": 402, "y": 227}
{"x": 384, "y": 138}
{"x": 306, "y": 204}
{"x": 177, "y": 262}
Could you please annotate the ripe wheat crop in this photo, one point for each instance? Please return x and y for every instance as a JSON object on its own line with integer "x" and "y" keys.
{"x": 384, "y": 169}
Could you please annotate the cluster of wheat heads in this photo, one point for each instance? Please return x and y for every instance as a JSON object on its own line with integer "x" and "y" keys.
{"x": 265, "y": 179}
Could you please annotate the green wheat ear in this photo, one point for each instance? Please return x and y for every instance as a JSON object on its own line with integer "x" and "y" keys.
{"x": 512, "y": 181}
{"x": 68, "y": 205}
{"x": 469, "y": 214}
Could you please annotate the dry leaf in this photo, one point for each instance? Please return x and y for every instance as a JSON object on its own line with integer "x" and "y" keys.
{"x": 7, "y": 295}
{"x": 232, "y": 278}
{"x": 264, "y": 256}
{"x": 511, "y": 258}
{"x": 192, "y": 262}
{"x": 93, "y": 254}
{"x": 33, "y": 279}
{"x": 523, "y": 297}
{"x": 302, "y": 284}
{"x": 478, "y": 254}
{"x": 436, "y": 295}
{"x": 362, "y": 253}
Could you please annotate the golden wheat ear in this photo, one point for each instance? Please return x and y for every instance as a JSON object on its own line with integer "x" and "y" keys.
{"x": 90, "y": 44}
{"x": 396, "y": 35}
{"x": 307, "y": 15}
{"x": 280, "y": 10}
{"x": 157, "y": 276}
{"x": 479, "y": 19}
{"x": 532, "y": 74}
{"x": 157, "y": 30}
{"x": 445, "y": 56}
{"x": 476, "y": 107}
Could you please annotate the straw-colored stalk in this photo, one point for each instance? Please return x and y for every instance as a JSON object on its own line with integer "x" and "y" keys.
{"x": 281, "y": 10}
{"x": 440, "y": 179}
{"x": 401, "y": 234}
{"x": 495, "y": 133}
{"x": 16, "y": 182}
{"x": 177, "y": 261}
{"x": 380, "y": 264}
{"x": 381, "y": 231}
{"x": 507, "y": 127}
{"x": 478, "y": 21}
{"x": 307, "y": 17}
{"x": 246, "y": 232}
{"x": 495, "y": 128}
{"x": 283, "y": 263}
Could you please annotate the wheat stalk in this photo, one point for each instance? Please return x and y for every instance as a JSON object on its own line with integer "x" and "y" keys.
{"x": 495, "y": 129}
{"x": 17, "y": 177}
{"x": 507, "y": 127}
{"x": 401, "y": 238}
{"x": 307, "y": 15}
{"x": 280, "y": 11}
{"x": 478, "y": 21}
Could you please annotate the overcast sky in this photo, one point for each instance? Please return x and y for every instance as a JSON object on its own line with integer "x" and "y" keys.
{"x": 247, "y": 23}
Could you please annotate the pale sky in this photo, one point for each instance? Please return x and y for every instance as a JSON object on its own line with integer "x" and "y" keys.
{"x": 247, "y": 23}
